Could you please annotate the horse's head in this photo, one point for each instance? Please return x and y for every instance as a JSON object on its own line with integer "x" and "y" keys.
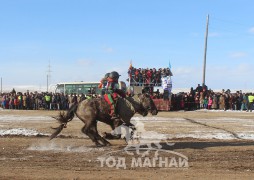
{"x": 148, "y": 104}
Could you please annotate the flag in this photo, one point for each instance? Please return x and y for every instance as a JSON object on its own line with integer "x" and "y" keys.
{"x": 130, "y": 64}
{"x": 169, "y": 65}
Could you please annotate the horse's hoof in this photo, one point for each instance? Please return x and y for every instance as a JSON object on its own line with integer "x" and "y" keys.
{"x": 107, "y": 135}
{"x": 99, "y": 145}
{"x": 108, "y": 144}
{"x": 117, "y": 136}
{"x": 112, "y": 136}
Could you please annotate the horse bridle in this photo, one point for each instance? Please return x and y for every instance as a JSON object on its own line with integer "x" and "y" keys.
{"x": 141, "y": 105}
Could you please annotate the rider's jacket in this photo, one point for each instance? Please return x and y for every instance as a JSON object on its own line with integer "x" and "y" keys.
{"x": 113, "y": 87}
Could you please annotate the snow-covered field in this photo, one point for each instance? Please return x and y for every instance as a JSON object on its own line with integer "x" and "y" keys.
{"x": 153, "y": 127}
{"x": 216, "y": 143}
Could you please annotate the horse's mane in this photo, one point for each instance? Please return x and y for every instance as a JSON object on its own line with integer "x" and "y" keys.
{"x": 127, "y": 107}
{"x": 126, "y": 102}
{"x": 134, "y": 100}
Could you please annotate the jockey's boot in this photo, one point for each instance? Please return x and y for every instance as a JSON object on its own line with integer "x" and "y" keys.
{"x": 113, "y": 111}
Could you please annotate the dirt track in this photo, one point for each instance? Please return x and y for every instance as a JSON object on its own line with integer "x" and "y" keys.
{"x": 75, "y": 157}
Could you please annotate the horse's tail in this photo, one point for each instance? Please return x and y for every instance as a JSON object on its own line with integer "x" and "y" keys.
{"x": 63, "y": 118}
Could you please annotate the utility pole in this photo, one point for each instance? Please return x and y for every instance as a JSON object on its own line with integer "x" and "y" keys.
{"x": 206, "y": 37}
{"x": 47, "y": 83}
{"x": 48, "y": 76}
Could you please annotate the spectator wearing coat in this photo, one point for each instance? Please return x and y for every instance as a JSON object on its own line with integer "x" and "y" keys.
{"x": 244, "y": 102}
{"x": 197, "y": 100}
{"x": 251, "y": 101}
{"x": 215, "y": 102}
{"x": 222, "y": 102}
{"x": 210, "y": 102}
{"x": 201, "y": 100}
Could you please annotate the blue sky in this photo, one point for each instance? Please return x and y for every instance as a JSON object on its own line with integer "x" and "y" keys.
{"x": 84, "y": 39}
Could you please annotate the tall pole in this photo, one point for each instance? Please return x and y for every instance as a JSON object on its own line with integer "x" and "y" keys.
{"x": 47, "y": 83}
{"x": 206, "y": 37}
{"x": 48, "y": 76}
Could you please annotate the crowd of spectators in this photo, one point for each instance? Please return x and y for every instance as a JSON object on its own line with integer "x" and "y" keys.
{"x": 37, "y": 101}
{"x": 198, "y": 98}
{"x": 201, "y": 98}
{"x": 146, "y": 77}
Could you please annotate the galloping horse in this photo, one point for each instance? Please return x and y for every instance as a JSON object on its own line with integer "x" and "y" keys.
{"x": 92, "y": 110}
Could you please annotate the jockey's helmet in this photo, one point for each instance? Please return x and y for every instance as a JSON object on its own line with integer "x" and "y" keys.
{"x": 106, "y": 75}
{"x": 114, "y": 74}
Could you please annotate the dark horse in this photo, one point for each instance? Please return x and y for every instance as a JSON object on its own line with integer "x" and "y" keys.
{"x": 92, "y": 110}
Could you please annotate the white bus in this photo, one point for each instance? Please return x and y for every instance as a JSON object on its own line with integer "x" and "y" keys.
{"x": 82, "y": 87}
{"x": 78, "y": 88}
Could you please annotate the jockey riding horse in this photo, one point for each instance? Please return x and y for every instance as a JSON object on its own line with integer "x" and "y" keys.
{"x": 112, "y": 92}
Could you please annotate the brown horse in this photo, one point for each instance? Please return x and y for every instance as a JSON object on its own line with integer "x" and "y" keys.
{"x": 92, "y": 110}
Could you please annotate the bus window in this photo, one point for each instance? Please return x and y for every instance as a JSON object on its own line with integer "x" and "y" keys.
{"x": 78, "y": 88}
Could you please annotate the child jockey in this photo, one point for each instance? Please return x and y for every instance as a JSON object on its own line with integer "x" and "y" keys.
{"x": 112, "y": 91}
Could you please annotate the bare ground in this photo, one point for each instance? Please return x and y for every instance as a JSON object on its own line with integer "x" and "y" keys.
{"x": 75, "y": 157}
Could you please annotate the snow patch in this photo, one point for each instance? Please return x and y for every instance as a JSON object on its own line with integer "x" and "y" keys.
{"x": 61, "y": 148}
{"x": 21, "y": 132}
{"x": 7, "y": 118}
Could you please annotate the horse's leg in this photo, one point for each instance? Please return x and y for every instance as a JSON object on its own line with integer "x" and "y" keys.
{"x": 94, "y": 131}
{"x": 130, "y": 125}
{"x": 87, "y": 130}
{"x": 114, "y": 123}
{"x": 133, "y": 128}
